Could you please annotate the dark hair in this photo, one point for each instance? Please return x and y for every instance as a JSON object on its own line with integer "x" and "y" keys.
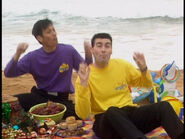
{"x": 40, "y": 25}
{"x": 102, "y": 36}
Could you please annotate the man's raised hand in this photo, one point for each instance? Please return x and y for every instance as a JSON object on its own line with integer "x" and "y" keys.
{"x": 140, "y": 61}
{"x": 83, "y": 73}
{"x": 21, "y": 48}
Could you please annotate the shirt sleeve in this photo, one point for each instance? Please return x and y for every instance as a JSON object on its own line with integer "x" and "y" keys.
{"x": 14, "y": 69}
{"x": 82, "y": 100}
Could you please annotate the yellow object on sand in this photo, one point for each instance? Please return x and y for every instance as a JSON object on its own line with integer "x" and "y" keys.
{"x": 176, "y": 104}
{"x": 155, "y": 94}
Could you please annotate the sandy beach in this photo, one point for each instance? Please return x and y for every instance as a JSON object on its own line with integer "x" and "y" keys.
{"x": 23, "y": 84}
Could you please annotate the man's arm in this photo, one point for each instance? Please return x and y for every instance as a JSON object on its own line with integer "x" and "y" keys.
{"x": 11, "y": 68}
{"x": 82, "y": 92}
{"x": 141, "y": 78}
{"x": 78, "y": 59}
{"x": 88, "y": 54}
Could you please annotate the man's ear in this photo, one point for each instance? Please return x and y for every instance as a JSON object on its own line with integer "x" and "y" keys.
{"x": 39, "y": 38}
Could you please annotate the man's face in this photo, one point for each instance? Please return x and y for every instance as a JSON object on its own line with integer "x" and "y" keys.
{"x": 49, "y": 37}
{"x": 102, "y": 50}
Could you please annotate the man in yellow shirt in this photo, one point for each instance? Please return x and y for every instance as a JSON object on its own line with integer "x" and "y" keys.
{"x": 102, "y": 89}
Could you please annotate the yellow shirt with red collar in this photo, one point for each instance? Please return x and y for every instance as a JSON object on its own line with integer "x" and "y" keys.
{"x": 109, "y": 87}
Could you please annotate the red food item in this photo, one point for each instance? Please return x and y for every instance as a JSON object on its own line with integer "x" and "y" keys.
{"x": 42, "y": 131}
{"x": 50, "y": 109}
{"x": 21, "y": 137}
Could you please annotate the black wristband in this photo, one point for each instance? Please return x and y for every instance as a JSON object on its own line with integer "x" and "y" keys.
{"x": 144, "y": 69}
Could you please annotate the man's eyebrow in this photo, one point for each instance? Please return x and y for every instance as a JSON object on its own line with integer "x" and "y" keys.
{"x": 99, "y": 43}
{"x": 108, "y": 43}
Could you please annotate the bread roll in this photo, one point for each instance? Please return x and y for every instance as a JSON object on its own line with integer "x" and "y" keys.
{"x": 70, "y": 120}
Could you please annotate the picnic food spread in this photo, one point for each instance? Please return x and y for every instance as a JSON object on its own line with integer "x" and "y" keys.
{"x": 29, "y": 127}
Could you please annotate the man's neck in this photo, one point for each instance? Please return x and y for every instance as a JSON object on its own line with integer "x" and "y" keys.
{"x": 49, "y": 49}
{"x": 100, "y": 65}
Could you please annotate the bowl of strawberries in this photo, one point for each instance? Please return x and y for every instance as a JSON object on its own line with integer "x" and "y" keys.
{"x": 52, "y": 110}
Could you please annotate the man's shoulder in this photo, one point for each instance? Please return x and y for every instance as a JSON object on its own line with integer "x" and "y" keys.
{"x": 36, "y": 51}
{"x": 120, "y": 63}
{"x": 65, "y": 46}
{"x": 118, "y": 60}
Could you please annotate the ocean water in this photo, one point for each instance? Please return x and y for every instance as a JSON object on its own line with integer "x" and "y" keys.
{"x": 153, "y": 27}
